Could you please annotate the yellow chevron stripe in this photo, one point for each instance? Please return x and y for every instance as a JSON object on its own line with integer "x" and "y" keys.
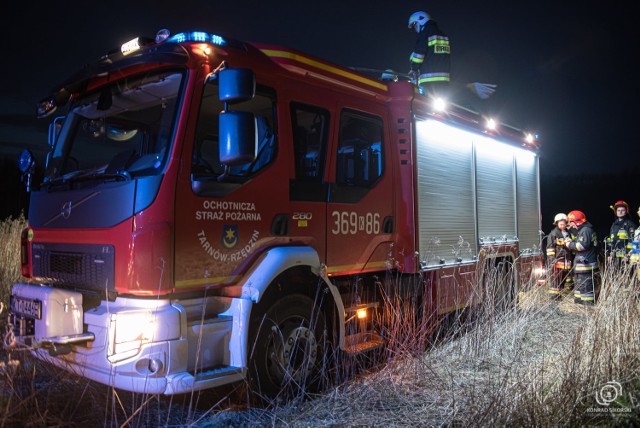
{"x": 357, "y": 266}
{"x": 204, "y": 281}
{"x": 308, "y": 61}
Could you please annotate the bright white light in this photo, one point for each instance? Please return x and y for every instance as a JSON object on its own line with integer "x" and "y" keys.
{"x": 130, "y": 46}
{"x": 129, "y": 331}
{"x": 134, "y": 326}
{"x": 435, "y": 131}
{"x": 361, "y": 313}
{"x": 457, "y": 139}
{"x": 491, "y": 123}
{"x": 439, "y": 104}
{"x": 529, "y": 138}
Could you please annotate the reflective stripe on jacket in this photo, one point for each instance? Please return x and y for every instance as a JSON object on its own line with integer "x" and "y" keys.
{"x": 432, "y": 54}
{"x": 585, "y": 245}
{"x": 620, "y": 236}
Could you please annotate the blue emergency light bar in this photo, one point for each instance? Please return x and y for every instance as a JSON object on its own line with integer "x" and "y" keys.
{"x": 163, "y": 35}
{"x": 198, "y": 36}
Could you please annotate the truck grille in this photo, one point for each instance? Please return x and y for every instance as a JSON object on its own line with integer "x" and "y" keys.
{"x": 82, "y": 266}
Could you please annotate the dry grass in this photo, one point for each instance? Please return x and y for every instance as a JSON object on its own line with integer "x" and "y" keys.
{"x": 539, "y": 364}
{"x": 10, "y": 230}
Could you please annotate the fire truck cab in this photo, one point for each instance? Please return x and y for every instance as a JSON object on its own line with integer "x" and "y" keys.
{"x": 214, "y": 210}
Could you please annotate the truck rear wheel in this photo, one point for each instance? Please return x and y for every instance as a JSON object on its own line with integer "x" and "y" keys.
{"x": 287, "y": 349}
{"x": 505, "y": 292}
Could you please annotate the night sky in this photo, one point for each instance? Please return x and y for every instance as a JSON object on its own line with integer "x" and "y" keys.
{"x": 567, "y": 72}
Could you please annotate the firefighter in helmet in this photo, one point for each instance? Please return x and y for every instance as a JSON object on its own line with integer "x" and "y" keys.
{"x": 585, "y": 247}
{"x": 618, "y": 243}
{"x": 431, "y": 56}
{"x": 559, "y": 258}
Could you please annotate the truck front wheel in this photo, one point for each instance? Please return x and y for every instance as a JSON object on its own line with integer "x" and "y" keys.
{"x": 287, "y": 348}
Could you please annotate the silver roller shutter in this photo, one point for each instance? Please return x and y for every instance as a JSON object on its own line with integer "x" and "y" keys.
{"x": 495, "y": 191}
{"x": 528, "y": 203}
{"x": 445, "y": 182}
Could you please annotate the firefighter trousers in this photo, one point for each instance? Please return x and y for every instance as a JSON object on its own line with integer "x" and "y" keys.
{"x": 586, "y": 286}
{"x": 560, "y": 277}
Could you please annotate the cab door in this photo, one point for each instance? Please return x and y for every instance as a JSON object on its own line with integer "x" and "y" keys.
{"x": 225, "y": 217}
{"x": 360, "y": 197}
{"x": 308, "y": 188}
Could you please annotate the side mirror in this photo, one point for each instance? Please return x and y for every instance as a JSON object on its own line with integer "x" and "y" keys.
{"x": 26, "y": 165}
{"x": 26, "y": 161}
{"x": 237, "y": 131}
{"x": 54, "y": 130}
{"x": 236, "y": 85}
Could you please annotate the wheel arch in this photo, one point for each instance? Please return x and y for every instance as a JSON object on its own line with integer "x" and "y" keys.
{"x": 282, "y": 271}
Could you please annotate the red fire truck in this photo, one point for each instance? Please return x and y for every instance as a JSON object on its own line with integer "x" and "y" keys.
{"x": 213, "y": 211}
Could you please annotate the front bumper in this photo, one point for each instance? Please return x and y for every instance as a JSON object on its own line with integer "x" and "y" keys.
{"x": 138, "y": 345}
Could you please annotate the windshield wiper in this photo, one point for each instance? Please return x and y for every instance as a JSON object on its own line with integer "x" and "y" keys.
{"x": 103, "y": 176}
{"x": 93, "y": 174}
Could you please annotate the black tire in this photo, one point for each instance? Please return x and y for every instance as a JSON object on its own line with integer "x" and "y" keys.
{"x": 505, "y": 291}
{"x": 287, "y": 348}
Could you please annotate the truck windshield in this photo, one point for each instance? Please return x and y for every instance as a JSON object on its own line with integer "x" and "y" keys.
{"x": 121, "y": 131}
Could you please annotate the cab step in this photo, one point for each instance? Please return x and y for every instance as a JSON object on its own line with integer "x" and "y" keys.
{"x": 361, "y": 342}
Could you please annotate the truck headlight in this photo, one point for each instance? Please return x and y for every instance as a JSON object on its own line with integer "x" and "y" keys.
{"x": 130, "y": 330}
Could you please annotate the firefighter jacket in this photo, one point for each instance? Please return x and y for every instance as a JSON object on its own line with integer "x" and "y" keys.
{"x": 557, "y": 254}
{"x": 585, "y": 247}
{"x": 432, "y": 54}
{"x": 620, "y": 237}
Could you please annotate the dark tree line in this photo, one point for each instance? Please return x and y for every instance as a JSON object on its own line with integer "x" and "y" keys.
{"x": 14, "y": 199}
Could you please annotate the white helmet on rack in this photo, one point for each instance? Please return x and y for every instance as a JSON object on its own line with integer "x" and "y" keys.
{"x": 417, "y": 20}
{"x": 558, "y": 217}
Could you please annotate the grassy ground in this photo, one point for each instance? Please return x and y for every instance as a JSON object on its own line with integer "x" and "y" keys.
{"x": 540, "y": 364}
{"x": 543, "y": 364}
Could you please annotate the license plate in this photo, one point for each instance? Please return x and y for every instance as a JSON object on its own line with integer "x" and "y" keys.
{"x": 26, "y": 307}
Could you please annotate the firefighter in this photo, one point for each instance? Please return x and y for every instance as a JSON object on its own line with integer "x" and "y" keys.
{"x": 559, "y": 258}
{"x": 619, "y": 242}
{"x": 431, "y": 57}
{"x": 585, "y": 246}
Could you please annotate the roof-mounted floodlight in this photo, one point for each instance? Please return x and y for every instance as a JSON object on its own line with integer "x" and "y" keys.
{"x": 130, "y": 46}
{"x": 529, "y": 137}
{"x": 439, "y": 104}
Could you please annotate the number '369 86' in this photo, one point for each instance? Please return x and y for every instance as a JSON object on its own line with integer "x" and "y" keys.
{"x": 350, "y": 223}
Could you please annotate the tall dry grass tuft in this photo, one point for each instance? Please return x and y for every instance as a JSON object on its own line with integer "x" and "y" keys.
{"x": 10, "y": 230}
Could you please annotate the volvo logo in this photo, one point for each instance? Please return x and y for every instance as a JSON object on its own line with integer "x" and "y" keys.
{"x": 65, "y": 212}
